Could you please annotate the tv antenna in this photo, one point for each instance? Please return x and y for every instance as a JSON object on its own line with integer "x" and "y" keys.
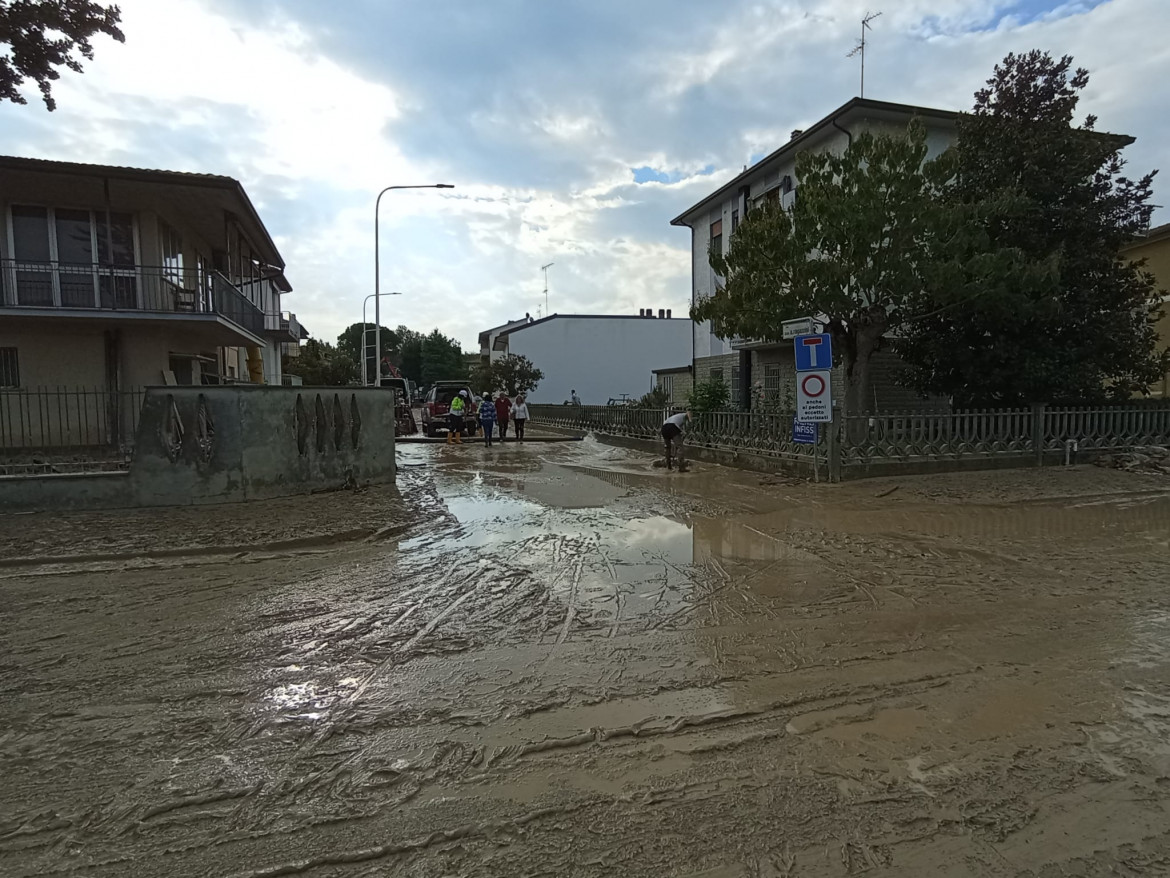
{"x": 545, "y": 269}
{"x": 859, "y": 49}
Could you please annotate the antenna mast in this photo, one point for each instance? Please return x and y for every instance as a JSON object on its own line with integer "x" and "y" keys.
{"x": 859, "y": 49}
{"x": 545, "y": 269}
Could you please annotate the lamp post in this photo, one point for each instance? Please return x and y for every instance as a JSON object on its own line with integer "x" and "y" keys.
{"x": 377, "y": 272}
{"x": 365, "y": 332}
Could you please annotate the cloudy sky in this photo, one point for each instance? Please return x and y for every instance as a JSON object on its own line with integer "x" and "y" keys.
{"x": 573, "y": 129}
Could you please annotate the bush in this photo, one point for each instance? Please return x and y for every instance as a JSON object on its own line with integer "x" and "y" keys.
{"x": 709, "y": 396}
{"x": 657, "y": 398}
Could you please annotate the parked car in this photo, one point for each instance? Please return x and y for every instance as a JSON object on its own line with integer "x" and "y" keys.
{"x": 437, "y": 406}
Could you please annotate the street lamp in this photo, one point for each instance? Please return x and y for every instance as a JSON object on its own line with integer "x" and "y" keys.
{"x": 377, "y": 352}
{"x": 377, "y": 266}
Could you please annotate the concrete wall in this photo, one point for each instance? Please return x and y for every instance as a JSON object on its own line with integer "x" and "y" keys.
{"x": 198, "y": 445}
{"x": 600, "y": 357}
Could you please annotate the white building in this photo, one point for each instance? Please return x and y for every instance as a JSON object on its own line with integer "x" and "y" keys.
{"x": 601, "y": 356}
{"x": 491, "y": 345}
{"x": 713, "y": 221}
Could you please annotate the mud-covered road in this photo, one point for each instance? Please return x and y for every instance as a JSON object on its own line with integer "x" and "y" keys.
{"x": 554, "y": 660}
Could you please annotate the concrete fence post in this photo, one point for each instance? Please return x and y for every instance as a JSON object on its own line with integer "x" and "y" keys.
{"x": 1038, "y": 431}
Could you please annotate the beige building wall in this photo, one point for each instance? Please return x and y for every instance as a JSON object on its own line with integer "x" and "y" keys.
{"x": 1155, "y": 249}
{"x": 49, "y": 355}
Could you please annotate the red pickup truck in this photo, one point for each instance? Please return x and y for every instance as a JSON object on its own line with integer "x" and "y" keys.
{"x": 437, "y": 406}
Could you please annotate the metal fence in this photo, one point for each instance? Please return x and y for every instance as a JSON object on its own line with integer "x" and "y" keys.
{"x": 149, "y": 288}
{"x": 855, "y": 443}
{"x": 74, "y": 419}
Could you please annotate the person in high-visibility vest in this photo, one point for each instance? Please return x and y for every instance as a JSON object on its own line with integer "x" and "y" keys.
{"x": 455, "y": 418}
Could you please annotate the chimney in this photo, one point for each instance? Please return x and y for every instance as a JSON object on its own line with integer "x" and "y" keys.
{"x": 796, "y": 132}
{"x": 661, "y": 313}
{"x": 649, "y": 312}
{"x": 641, "y": 312}
{"x": 667, "y": 313}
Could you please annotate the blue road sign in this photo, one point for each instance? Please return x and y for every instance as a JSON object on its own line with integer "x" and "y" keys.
{"x": 806, "y": 434}
{"x": 814, "y": 352}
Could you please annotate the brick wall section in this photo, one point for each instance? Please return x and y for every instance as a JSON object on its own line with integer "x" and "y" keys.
{"x": 727, "y": 362}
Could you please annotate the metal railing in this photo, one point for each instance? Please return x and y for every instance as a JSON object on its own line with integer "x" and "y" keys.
{"x": 767, "y": 433}
{"x": 142, "y": 288}
{"x": 285, "y": 323}
{"x": 855, "y": 442}
{"x": 77, "y": 418}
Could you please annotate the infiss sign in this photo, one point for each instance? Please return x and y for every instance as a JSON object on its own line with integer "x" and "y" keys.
{"x": 814, "y": 394}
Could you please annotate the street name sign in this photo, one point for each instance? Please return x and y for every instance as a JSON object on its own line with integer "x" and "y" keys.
{"x": 814, "y": 399}
{"x": 793, "y": 328}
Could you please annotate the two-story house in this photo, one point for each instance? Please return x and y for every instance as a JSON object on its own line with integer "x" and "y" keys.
{"x": 115, "y": 278}
{"x": 768, "y": 365}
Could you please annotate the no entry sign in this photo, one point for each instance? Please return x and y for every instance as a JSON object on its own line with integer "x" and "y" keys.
{"x": 814, "y": 398}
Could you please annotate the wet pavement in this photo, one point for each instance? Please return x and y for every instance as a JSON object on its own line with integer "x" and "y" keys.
{"x": 569, "y": 663}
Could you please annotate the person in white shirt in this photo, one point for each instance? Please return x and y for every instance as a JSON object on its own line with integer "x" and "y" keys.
{"x": 520, "y": 416}
{"x": 573, "y": 398}
{"x": 672, "y": 437}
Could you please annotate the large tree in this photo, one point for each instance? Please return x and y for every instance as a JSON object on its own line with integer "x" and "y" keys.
{"x": 867, "y": 234}
{"x": 513, "y": 373}
{"x": 442, "y": 359}
{"x": 350, "y": 344}
{"x": 320, "y": 364}
{"x": 410, "y": 347}
{"x": 39, "y": 36}
{"x": 1088, "y": 333}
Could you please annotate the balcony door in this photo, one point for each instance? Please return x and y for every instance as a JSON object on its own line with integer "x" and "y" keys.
{"x": 71, "y": 258}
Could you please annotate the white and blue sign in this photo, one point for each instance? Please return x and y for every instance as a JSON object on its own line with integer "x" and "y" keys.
{"x": 814, "y": 352}
{"x": 804, "y": 433}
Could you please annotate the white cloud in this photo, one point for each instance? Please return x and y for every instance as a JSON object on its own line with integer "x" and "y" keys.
{"x": 538, "y": 119}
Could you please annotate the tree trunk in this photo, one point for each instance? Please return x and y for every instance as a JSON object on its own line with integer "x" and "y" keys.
{"x": 859, "y": 340}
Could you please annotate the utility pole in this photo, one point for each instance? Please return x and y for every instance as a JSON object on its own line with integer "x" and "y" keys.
{"x": 859, "y": 49}
{"x": 545, "y": 269}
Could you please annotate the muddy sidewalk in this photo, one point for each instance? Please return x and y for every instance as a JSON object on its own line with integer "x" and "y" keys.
{"x": 555, "y": 660}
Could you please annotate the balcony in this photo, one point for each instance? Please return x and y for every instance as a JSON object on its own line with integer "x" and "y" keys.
{"x": 283, "y": 327}
{"x": 128, "y": 291}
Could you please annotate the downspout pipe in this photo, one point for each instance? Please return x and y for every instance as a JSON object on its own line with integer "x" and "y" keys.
{"x": 844, "y": 131}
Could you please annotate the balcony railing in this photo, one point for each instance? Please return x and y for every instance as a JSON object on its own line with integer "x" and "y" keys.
{"x": 135, "y": 288}
{"x": 283, "y": 326}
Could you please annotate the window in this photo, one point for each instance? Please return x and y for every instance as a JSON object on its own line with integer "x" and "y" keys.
{"x": 86, "y": 257}
{"x": 717, "y": 237}
{"x": 734, "y": 221}
{"x": 666, "y": 382}
{"x": 772, "y": 382}
{"x": 172, "y": 253}
{"x": 9, "y": 368}
{"x": 736, "y": 386}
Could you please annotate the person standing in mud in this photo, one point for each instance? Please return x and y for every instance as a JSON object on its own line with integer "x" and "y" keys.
{"x": 520, "y": 416}
{"x": 672, "y": 438}
{"x": 503, "y": 412}
{"x": 487, "y": 417}
{"x": 455, "y": 418}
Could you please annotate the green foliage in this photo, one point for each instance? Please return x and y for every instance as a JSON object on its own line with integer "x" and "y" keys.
{"x": 441, "y": 359}
{"x": 711, "y": 395}
{"x": 1084, "y": 332}
{"x": 350, "y": 342}
{"x": 39, "y": 36}
{"x": 657, "y": 398}
{"x": 321, "y": 364}
{"x": 868, "y": 232}
{"x": 513, "y": 374}
{"x": 410, "y": 345}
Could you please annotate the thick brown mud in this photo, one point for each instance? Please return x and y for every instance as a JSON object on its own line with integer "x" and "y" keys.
{"x": 556, "y": 660}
